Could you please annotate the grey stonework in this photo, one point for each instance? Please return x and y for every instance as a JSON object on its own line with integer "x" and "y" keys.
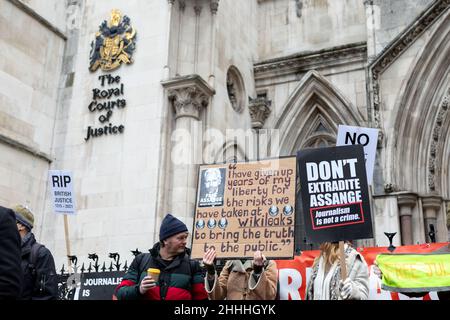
{"x": 395, "y": 16}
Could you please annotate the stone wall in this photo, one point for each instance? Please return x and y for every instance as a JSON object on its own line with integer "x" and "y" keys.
{"x": 392, "y": 17}
{"x": 290, "y": 26}
{"x": 234, "y": 48}
{"x": 115, "y": 175}
{"x": 30, "y": 67}
{"x": 56, "y": 12}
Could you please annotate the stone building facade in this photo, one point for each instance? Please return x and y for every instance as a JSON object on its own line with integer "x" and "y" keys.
{"x": 214, "y": 81}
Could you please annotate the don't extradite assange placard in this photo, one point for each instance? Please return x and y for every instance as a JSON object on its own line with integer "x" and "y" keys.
{"x": 245, "y": 207}
{"x": 334, "y": 192}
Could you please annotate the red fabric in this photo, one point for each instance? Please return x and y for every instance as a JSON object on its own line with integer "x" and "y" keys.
{"x": 153, "y": 294}
{"x": 125, "y": 283}
{"x": 199, "y": 292}
{"x": 174, "y": 293}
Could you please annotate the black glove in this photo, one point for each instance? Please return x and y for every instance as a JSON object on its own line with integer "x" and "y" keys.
{"x": 257, "y": 269}
{"x": 211, "y": 269}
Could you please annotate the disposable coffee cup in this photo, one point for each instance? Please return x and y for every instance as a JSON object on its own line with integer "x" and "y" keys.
{"x": 154, "y": 273}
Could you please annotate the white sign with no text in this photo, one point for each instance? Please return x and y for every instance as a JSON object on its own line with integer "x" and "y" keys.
{"x": 368, "y": 137}
{"x": 61, "y": 183}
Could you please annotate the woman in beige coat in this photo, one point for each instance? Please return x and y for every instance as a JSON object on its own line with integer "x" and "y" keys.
{"x": 248, "y": 280}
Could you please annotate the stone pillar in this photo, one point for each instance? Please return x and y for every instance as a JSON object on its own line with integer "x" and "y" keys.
{"x": 198, "y": 11}
{"x": 259, "y": 109}
{"x": 431, "y": 206}
{"x": 406, "y": 202}
{"x": 189, "y": 96}
{"x": 166, "y": 70}
{"x": 214, "y": 6}
{"x": 448, "y": 220}
{"x": 372, "y": 25}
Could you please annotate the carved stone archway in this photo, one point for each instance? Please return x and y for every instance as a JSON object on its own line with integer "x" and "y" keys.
{"x": 421, "y": 117}
{"x": 421, "y": 145}
{"x": 315, "y": 105}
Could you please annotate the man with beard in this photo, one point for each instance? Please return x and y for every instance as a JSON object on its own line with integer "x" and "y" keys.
{"x": 180, "y": 278}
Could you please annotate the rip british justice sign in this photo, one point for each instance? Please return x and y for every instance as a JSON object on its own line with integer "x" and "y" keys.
{"x": 61, "y": 183}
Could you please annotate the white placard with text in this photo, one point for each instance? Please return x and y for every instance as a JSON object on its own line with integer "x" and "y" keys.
{"x": 368, "y": 137}
{"x": 61, "y": 184}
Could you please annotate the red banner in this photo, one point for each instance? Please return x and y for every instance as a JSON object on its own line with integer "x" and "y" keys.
{"x": 294, "y": 274}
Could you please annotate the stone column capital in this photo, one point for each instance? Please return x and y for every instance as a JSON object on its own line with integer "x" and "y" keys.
{"x": 407, "y": 200}
{"x": 432, "y": 202}
{"x": 197, "y": 9}
{"x": 259, "y": 109}
{"x": 188, "y": 102}
{"x": 214, "y": 6}
{"x": 189, "y": 95}
{"x": 182, "y": 5}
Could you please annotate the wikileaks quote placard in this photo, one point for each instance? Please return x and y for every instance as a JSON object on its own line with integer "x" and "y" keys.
{"x": 245, "y": 207}
{"x": 334, "y": 192}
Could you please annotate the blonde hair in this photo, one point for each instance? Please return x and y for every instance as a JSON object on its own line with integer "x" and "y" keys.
{"x": 329, "y": 251}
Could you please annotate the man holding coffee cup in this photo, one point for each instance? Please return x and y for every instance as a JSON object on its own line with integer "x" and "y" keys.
{"x": 167, "y": 272}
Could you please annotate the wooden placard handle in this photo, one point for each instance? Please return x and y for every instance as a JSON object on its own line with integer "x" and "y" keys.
{"x": 66, "y": 233}
{"x": 343, "y": 263}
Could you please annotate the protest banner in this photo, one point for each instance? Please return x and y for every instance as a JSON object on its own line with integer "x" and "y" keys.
{"x": 415, "y": 272}
{"x": 293, "y": 275}
{"x": 245, "y": 207}
{"x": 98, "y": 285}
{"x": 334, "y": 193}
{"x": 367, "y": 137}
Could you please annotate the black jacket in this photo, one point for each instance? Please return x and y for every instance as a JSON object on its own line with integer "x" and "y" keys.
{"x": 40, "y": 280}
{"x": 11, "y": 276}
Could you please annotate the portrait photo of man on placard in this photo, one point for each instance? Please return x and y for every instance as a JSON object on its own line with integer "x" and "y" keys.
{"x": 212, "y": 187}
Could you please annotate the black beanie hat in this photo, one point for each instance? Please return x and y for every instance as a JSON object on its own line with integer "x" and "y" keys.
{"x": 170, "y": 226}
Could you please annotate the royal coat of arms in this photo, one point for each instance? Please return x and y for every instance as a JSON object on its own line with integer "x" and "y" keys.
{"x": 114, "y": 43}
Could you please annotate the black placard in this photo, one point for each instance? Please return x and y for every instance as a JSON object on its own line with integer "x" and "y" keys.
{"x": 334, "y": 192}
{"x": 98, "y": 285}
